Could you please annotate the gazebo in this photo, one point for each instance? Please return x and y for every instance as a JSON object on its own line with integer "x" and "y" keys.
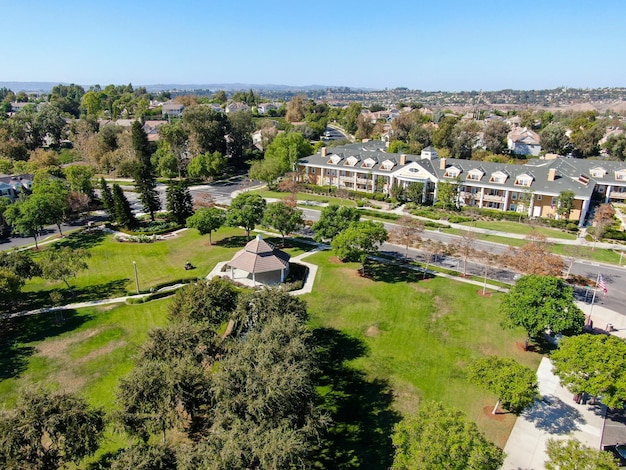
{"x": 261, "y": 262}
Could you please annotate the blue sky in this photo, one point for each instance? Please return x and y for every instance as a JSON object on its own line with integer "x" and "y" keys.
{"x": 437, "y": 45}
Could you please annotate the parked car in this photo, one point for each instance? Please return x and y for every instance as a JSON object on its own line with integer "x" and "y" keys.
{"x": 619, "y": 451}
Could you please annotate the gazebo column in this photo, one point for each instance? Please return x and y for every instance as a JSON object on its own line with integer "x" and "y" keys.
{"x": 253, "y": 279}
{"x": 232, "y": 273}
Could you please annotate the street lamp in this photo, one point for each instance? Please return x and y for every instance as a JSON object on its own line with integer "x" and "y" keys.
{"x": 136, "y": 276}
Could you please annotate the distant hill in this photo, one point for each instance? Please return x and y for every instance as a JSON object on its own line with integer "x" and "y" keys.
{"x": 47, "y": 86}
{"x": 44, "y": 87}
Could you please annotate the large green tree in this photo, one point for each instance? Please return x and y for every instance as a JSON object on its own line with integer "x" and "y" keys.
{"x": 61, "y": 264}
{"x": 494, "y": 136}
{"x": 145, "y": 179}
{"x": 594, "y": 364}
{"x": 207, "y": 220}
{"x": 334, "y": 219}
{"x": 207, "y": 165}
{"x": 246, "y": 210}
{"x": 287, "y": 148}
{"x": 178, "y": 201}
{"x": 515, "y": 385}
{"x": 211, "y": 301}
{"x": 441, "y": 438}
{"x": 359, "y": 240}
{"x": 284, "y": 218}
{"x": 565, "y": 203}
{"x": 554, "y": 138}
{"x": 121, "y": 207}
{"x": 571, "y": 454}
{"x": 48, "y": 431}
{"x": 538, "y": 303}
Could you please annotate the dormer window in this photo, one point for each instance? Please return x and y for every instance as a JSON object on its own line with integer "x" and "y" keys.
{"x": 524, "y": 180}
{"x": 351, "y": 161}
{"x": 387, "y": 165}
{"x": 475, "y": 175}
{"x": 368, "y": 163}
{"x": 334, "y": 160}
{"x": 452, "y": 172}
{"x": 597, "y": 172}
{"x": 498, "y": 177}
{"x": 620, "y": 175}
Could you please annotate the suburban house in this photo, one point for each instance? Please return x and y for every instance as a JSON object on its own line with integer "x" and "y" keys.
{"x": 18, "y": 106}
{"x": 12, "y": 185}
{"x": 264, "y": 108}
{"x": 171, "y": 109}
{"x": 236, "y": 106}
{"x": 533, "y": 188}
{"x": 524, "y": 141}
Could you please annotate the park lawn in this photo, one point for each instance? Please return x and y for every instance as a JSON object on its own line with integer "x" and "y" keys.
{"x": 87, "y": 352}
{"x": 418, "y": 336}
{"x": 522, "y": 229}
{"x": 111, "y": 268}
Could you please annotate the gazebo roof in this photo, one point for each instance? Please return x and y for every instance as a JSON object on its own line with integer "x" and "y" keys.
{"x": 259, "y": 256}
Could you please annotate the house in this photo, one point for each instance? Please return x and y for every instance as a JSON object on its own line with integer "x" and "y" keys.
{"x": 264, "y": 108}
{"x": 261, "y": 262}
{"x": 533, "y": 188}
{"x": 171, "y": 109}
{"x": 151, "y": 129}
{"x": 18, "y": 106}
{"x": 235, "y": 107}
{"x": 524, "y": 141}
{"x": 12, "y": 185}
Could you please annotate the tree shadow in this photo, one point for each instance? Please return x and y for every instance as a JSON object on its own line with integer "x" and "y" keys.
{"x": 392, "y": 272}
{"x": 236, "y": 241}
{"x": 16, "y": 333}
{"x": 41, "y": 299}
{"x": 360, "y": 409}
{"x": 554, "y": 416}
{"x": 83, "y": 239}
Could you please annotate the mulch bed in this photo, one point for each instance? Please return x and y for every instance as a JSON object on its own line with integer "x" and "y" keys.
{"x": 499, "y": 416}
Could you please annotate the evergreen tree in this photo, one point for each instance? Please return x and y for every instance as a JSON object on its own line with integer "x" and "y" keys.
{"x": 179, "y": 202}
{"x": 107, "y": 198}
{"x": 121, "y": 207}
{"x": 145, "y": 178}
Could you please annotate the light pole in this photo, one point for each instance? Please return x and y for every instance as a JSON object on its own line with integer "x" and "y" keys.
{"x": 136, "y": 276}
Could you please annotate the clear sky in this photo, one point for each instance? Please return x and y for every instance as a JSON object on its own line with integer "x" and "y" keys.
{"x": 429, "y": 45}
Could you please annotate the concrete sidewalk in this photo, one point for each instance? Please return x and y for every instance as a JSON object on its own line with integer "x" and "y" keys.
{"x": 557, "y": 416}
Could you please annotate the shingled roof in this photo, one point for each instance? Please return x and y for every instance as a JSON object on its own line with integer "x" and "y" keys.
{"x": 259, "y": 256}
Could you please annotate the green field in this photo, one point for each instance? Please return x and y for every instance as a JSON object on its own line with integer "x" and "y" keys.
{"x": 521, "y": 229}
{"x": 387, "y": 341}
{"x": 417, "y": 336}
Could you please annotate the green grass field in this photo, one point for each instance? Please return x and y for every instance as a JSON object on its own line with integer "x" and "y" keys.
{"x": 302, "y": 197}
{"x": 388, "y": 340}
{"x": 417, "y": 336}
{"x": 522, "y": 229}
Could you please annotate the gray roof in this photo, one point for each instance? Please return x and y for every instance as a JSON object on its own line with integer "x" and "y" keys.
{"x": 568, "y": 170}
{"x": 260, "y": 256}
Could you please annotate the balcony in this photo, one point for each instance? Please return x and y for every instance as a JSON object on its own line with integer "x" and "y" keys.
{"x": 492, "y": 198}
{"x": 617, "y": 195}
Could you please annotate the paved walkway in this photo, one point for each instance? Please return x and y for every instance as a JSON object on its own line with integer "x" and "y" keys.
{"x": 555, "y": 416}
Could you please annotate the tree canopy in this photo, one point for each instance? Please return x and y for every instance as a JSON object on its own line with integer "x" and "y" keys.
{"x": 594, "y": 364}
{"x": 438, "y": 438}
{"x": 207, "y": 220}
{"x": 334, "y": 219}
{"x": 246, "y": 210}
{"x": 284, "y": 218}
{"x": 515, "y": 385}
{"x": 359, "y": 240}
{"x": 571, "y": 454}
{"x": 538, "y": 303}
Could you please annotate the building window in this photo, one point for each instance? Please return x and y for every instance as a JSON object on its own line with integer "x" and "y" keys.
{"x": 313, "y": 170}
{"x": 539, "y": 197}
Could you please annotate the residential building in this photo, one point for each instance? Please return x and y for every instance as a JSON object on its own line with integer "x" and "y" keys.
{"x": 524, "y": 141}
{"x": 12, "y": 185}
{"x": 171, "y": 109}
{"x": 533, "y": 188}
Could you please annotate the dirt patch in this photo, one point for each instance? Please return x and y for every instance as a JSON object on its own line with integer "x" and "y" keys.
{"x": 419, "y": 289}
{"x": 67, "y": 380}
{"x": 484, "y": 294}
{"x": 488, "y": 412}
{"x": 102, "y": 351}
{"x": 522, "y": 347}
{"x": 334, "y": 260}
{"x": 56, "y": 348}
{"x": 441, "y": 309}
{"x": 372, "y": 331}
